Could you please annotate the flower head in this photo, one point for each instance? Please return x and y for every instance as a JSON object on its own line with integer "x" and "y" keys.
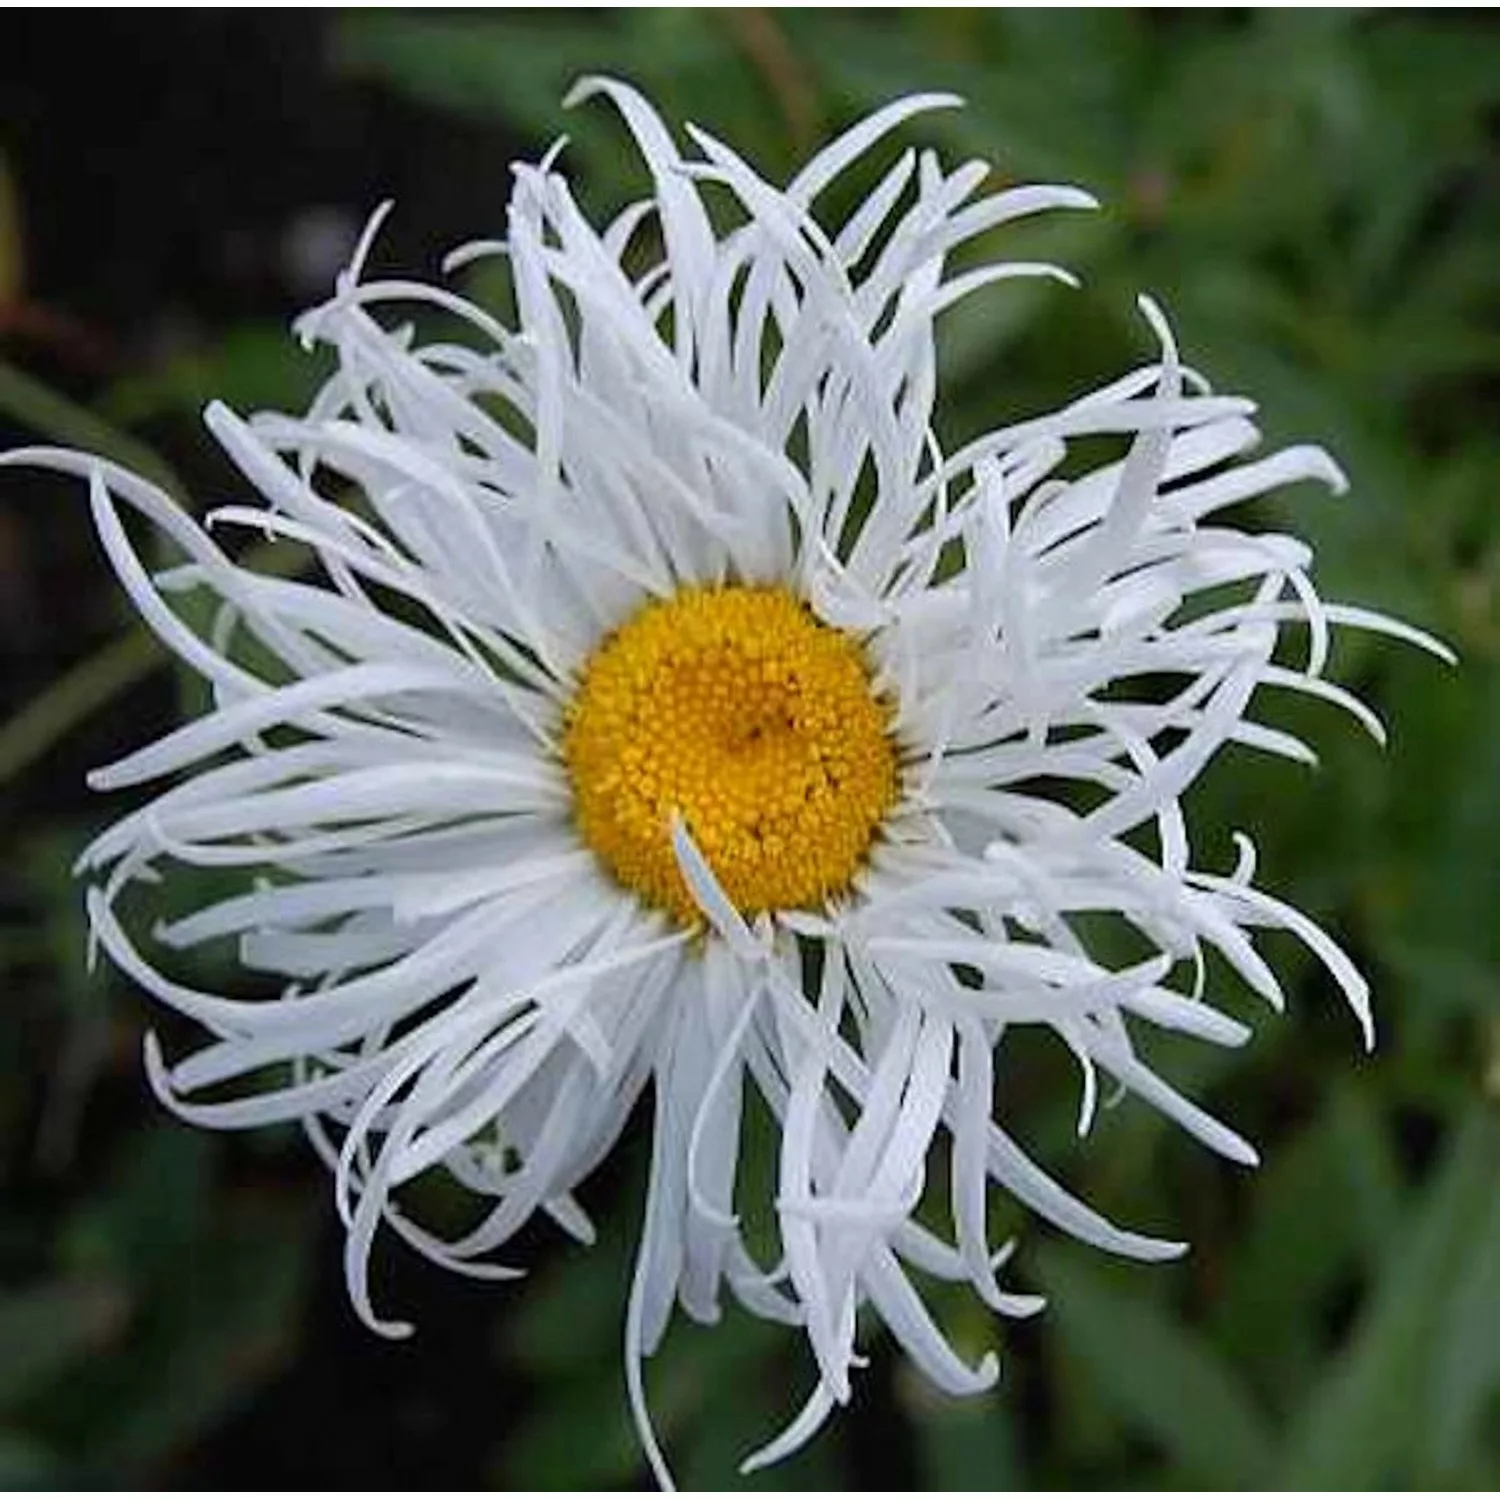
{"x": 662, "y": 712}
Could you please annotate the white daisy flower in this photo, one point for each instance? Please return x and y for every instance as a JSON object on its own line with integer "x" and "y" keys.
{"x": 665, "y": 714}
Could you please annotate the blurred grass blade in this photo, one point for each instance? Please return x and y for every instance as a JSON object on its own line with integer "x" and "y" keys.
{"x": 80, "y": 692}
{"x": 968, "y": 1445}
{"x": 1363, "y": 1417}
{"x": 1367, "y": 1169}
{"x": 1291, "y": 1254}
{"x": 1162, "y": 1379}
{"x": 36, "y": 406}
{"x": 1465, "y": 1380}
{"x": 99, "y": 679}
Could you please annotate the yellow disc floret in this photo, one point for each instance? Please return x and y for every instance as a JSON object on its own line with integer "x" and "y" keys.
{"x": 737, "y": 710}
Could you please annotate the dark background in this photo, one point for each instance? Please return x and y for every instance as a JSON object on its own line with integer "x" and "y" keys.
{"x": 1313, "y": 195}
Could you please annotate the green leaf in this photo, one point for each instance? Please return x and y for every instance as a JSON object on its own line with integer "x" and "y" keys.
{"x": 1292, "y": 1257}
{"x": 1466, "y": 1356}
{"x": 1367, "y": 1169}
{"x": 1359, "y": 1424}
{"x": 1160, "y": 1376}
{"x": 969, "y": 1444}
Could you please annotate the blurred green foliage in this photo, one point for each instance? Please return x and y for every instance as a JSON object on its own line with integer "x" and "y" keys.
{"x": 1314, "y": 195}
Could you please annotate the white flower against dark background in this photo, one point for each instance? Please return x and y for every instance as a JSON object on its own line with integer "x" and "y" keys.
{"x": 665, "y": 714}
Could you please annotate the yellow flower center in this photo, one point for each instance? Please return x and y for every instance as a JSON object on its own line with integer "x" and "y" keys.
{"x": 757, "y": 724}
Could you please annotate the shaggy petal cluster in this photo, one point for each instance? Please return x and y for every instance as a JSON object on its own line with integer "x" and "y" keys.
{"x": 721, "y": 386}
